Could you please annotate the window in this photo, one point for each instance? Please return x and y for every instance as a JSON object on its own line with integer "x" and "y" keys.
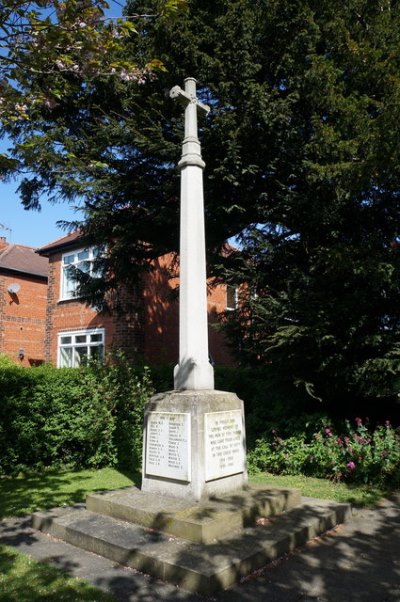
{"x": 75, "y": 347}
{"x": 231, "y": 297}
{"x": 81, "y": 259}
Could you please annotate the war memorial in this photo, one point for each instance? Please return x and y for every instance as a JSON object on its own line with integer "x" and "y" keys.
{"x": 195, "y": 521}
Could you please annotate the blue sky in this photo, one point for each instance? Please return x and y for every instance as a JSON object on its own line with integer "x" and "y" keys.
{"x": 31, "y": 227}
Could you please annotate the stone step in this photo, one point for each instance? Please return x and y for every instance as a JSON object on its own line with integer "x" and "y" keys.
{"x": 201, "y": 522}
{"x": 193, "y": 566}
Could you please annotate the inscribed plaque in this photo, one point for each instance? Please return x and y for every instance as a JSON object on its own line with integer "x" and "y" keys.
{"x": 224, "y": 444}
{"x": 168, "y": 445}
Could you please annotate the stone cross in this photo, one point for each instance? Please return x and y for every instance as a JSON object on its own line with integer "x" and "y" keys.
{"x": 194, "y": 371}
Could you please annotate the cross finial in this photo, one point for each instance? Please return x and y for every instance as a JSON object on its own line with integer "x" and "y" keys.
{"x": 191, "y": 152}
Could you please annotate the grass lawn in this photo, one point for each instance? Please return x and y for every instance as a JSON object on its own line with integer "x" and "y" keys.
{"x": 359, "y": 495}
{"x": 25, "y": 580}
{"x": 25, "y": 494}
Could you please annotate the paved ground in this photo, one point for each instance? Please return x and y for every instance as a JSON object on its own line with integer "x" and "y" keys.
{"x": 357, "y": 562}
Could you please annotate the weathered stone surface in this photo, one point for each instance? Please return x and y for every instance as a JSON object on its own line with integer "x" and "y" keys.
{"x": 193, "y": 566}
{"x": 205, "y": 456}
{"x": 203, "y": 522}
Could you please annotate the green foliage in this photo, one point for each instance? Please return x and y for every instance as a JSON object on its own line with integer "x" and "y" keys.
{"x": 52, "y": 50}
{"x": 358, "y": 455}
{"x": 6, "y": 361}
{"x": 79, "y": 418}
{"x": 162, "y": 377}
{"x": 270, "y": 402}
{"x": 125, "y": 389}
{"x": 323, "y": 257}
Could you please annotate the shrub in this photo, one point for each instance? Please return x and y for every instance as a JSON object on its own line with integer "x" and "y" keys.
{"x": 360, "y": 454}
{"x": 126, "y": 389}
{"x": 6, "y": 361}
{"x": 86, "y": 417}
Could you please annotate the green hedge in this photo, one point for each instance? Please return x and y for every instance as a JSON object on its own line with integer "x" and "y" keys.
{"x": 86, "y": 417}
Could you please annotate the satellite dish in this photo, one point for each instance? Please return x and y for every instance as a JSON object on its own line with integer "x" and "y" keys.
{"x": 14, "y": 288}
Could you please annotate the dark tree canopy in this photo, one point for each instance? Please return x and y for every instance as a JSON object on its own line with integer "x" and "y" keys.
{"x": 302, "y": 161}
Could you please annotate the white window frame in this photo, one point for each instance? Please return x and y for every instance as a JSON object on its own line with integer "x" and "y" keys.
{"x": 235, "y": 290}
{"x": 75, "y": 343}
{"x": 68, "y": 286}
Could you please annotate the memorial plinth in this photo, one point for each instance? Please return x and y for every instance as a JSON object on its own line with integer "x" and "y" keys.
{"x": 194, "y": 444}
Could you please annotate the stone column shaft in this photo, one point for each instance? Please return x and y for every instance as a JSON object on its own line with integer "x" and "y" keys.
{"x": 194, "y": 370}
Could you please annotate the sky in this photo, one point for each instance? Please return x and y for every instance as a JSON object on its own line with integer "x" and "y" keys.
{"x": 34, "y": 228}
{"x": 30, "y": 228}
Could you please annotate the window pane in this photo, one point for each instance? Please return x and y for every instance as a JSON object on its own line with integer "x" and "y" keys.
{"x": 84, "y": 266}
{"x": 231, "y": 297}
{"x": 68, "y": 259}
{"x": 68, "y": 285}
{"x": 66, "y": 357}
{"x": 96, "y": 337}
{"x": 80, "y": 338}
{"x": 81, "y": 354}
{"x": 66, "y": 340}
{"x": 83, "y": 255}
{"x": 96, "y": 352}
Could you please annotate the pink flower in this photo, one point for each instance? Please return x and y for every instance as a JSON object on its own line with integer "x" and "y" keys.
{"x": 358, "y": 421}
{"x": 387, "y": 424}
{"x": 351, "y": 466}
{"x": 328, "y": 432}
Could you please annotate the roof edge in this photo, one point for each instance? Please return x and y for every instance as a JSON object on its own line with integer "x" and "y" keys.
{"x": 24, "y": 272}
{"x": 59, "y": 245}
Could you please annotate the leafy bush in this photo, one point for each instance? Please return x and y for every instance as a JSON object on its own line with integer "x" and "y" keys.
{"x": 86, "y": 417}
{"x": 6, "y": 361}
{"x": 126, "y": 388}
{"x": 361, "y": 454}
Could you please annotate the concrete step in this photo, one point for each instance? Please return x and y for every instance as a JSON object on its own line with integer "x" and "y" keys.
{"x": 202, "y": 522}
{"x": 193, "y": 566}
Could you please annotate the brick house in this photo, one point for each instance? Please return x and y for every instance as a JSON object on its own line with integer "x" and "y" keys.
{"x": 148, "y": 329}
{"x": 23, "y": 301}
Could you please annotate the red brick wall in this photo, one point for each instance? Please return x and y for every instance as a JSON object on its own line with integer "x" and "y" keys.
{"x": 149, "y": 328}
{"x": 22, "y": 318}
{"x": 121, "y": 331}
{"x": 161, "y": 315}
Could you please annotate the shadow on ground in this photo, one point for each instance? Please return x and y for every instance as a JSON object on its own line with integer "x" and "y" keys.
{"x": 22, "y": 495}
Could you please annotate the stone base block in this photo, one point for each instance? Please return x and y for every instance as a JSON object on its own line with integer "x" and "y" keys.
{"x": 197, "y": 567}
{"x": 200, "y": 522}
{"x": 194, "y": 444}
